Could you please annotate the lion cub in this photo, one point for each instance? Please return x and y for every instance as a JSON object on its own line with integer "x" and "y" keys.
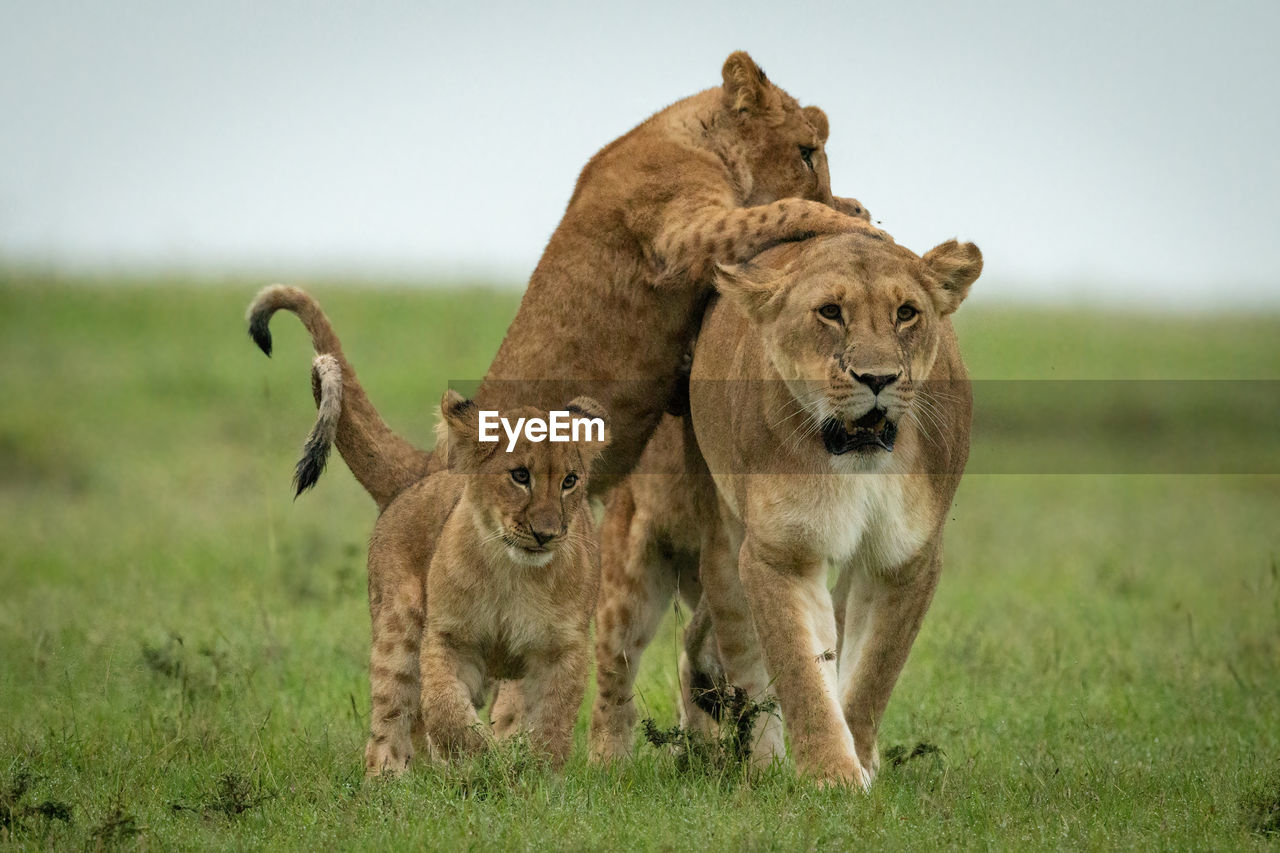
{"x": 507, "y": 576}
{"x": 499, "y": 541}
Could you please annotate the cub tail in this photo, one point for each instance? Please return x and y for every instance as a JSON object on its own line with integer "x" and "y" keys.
{"x": 382, "y": 461}
{"x": 326, "y": 385}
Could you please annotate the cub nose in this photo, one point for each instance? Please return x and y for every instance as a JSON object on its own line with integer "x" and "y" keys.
{"x": 542, "y": 537}
{"x": 875, "y": 381}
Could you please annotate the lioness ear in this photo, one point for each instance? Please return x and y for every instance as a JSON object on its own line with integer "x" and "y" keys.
{"x": 593, "y": 434}
{"x": 752, "y": 288}
{"x": 744, "y": 83}
{"x": 459, "y": 429}
{"x": 818, "y": 119}
{"x": 957, "y": 266}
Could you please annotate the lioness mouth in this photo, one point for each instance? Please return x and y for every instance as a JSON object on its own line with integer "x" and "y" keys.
{"x": 872, "y": 430}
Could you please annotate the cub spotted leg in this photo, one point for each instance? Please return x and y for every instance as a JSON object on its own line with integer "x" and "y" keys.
{"x": 553, "y": 687}
{"x": 452, "y": 688}
{"x": 635, "y": 589}
{"x": 699, "y": 232}
{"x": 395, "y": 605}
{"x": 796, "y": 625}
{"x": 882, "y": 618}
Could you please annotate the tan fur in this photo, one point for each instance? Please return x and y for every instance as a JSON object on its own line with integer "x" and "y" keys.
{"x": 458, "y": 599}
{"x": 790, "y": 511}
{"x": 383, "y": 462}
{"x": 510, "y": 569}
{"x": 650, "y": 539}
{"x": 613, "y": 304}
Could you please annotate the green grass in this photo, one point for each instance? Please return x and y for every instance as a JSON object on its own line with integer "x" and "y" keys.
{"x": 183, "y": 647}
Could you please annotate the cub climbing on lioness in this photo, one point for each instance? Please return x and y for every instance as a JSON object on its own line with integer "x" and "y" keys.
{"x": 485, "y": 569}
{"x": 618, "y": 294}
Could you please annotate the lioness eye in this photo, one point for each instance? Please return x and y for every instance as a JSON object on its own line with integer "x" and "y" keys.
{"x": 570, "y": 481}
{"x": 830, "y": 311}
{"x": 520, "y": 475}
{"x": 806, "y": 154}
{"x": 906, "y": 313}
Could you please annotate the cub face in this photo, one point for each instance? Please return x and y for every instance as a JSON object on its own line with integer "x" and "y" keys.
{"x": 527, "y": 497}
{"x": 852, "y": 325}
{"x": 784, "y": 143}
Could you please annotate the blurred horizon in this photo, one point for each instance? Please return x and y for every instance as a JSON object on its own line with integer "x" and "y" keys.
{"x": 1098, "y": 153}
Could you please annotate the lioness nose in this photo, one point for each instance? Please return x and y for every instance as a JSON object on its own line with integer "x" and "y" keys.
{"x": 875, "y": 381}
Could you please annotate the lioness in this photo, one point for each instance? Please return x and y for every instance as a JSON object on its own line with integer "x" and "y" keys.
{"x": 485, "y": 569}
{"x": 832, "y": 408}
{"x": 612, "y": 305}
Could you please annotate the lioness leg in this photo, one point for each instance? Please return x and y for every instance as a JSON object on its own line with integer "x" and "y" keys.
{"x": 635, "y": 588}
{"x": 395, "y": 607}
{"x": 553, "y": 687}
{"x": 796, "y": 625}
{"x": 882, "y": 618}
{"x": 452, "y": 689}
{"x": 735, "y": 633}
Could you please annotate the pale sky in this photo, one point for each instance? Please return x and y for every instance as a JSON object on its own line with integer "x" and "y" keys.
{"x": 1114, "y": 151}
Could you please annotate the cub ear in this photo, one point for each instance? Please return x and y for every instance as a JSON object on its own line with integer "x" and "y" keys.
{"x": 957, "y": 266}
{"x": 459, "y": 429}
{"x": 595, "y": 435}
{"x": 754, "y": 289}
{"x": 816, "y": 117}
{"x": 744, "y": 83}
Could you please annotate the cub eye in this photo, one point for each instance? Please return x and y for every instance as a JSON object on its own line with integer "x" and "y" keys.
{"x": 806, "y": 154}
{"x": 520, "y": 475}
{"x": 907, "y": 313}
{"x": 830, "y": 311}
{"x": 570, "y": 481}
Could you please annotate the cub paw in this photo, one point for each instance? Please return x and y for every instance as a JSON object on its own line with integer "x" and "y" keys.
{"x": 852, "y": 207}
{"x": 386, "y": 759}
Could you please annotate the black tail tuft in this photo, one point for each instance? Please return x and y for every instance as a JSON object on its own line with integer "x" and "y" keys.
{"x": 314, "y": 456}
{"x": 260, "y": 331}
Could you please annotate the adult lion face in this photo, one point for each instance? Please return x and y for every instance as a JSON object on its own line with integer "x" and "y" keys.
{"x": 851, "y": 324}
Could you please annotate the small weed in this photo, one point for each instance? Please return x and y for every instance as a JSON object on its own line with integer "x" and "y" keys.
{"x": 495, "y": 772}
{"x": 116, "y": 828}
{"x": 15, "y": 812}
{"x": 901, "y": 754}
{"x": 233, "y": 795}
{"x": 725, "y": 753}
{"x": 1261, "y": 806}
{"x": 203, "y": 674}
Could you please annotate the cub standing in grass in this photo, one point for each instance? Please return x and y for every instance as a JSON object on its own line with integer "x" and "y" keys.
{"x": 498, "y": 541}
{"x": 831, "y": 406}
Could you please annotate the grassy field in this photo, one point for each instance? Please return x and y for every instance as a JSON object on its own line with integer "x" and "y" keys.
{"x": 183, "y": 647}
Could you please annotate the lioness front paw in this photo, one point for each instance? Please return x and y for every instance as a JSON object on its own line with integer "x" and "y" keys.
{"x": 844, "y": 773}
